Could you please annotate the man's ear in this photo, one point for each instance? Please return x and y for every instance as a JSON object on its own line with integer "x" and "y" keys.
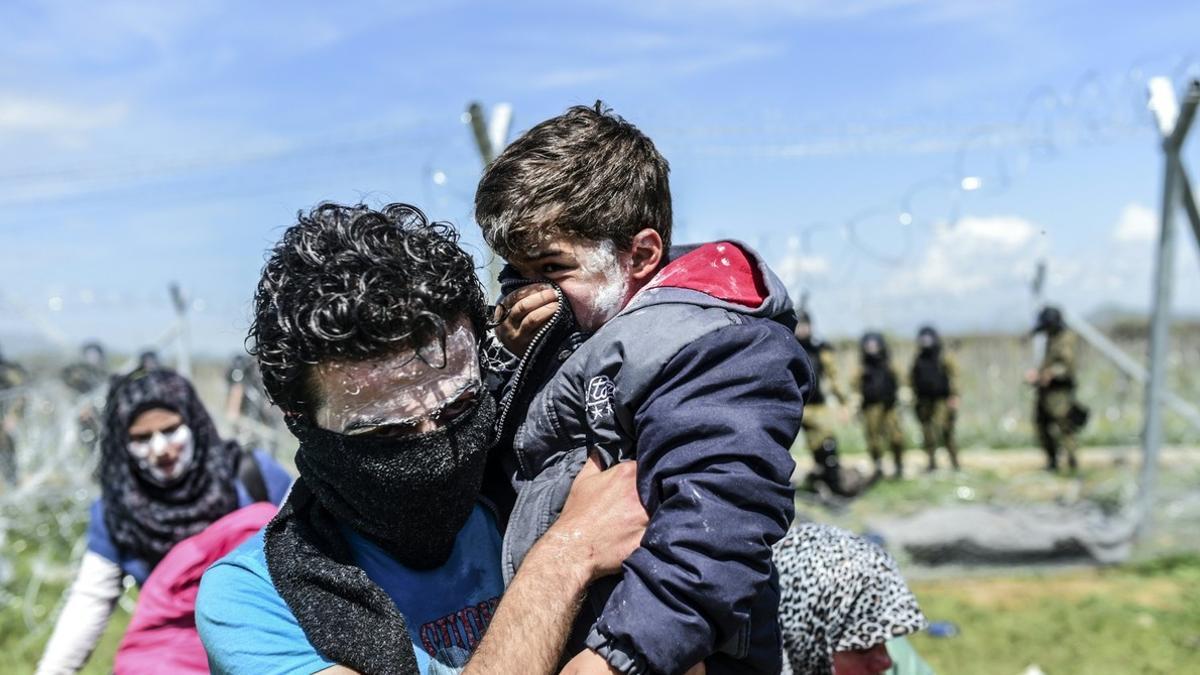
{"x": 646, "y": 255}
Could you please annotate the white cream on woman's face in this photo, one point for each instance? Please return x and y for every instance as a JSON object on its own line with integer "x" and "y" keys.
{"x": 162, "y": 445}
{"x": 415, "y": 391}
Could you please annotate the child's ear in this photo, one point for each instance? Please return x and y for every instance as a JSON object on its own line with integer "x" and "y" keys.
{"x": 646, "y": 254}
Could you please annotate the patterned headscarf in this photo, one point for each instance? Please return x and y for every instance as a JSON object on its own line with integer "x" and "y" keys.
{"x": 144, "y": 519}
{"x": 839, "y": 592}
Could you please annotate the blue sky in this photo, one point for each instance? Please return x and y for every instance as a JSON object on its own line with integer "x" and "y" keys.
{"x": 153, "y": 142}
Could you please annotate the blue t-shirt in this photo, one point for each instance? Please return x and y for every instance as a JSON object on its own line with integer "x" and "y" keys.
{"x": 247, "y": 627}
{"x": 99, "y": 541}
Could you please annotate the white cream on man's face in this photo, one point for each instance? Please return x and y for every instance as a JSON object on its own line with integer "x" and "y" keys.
{"x": 415, "y": 391}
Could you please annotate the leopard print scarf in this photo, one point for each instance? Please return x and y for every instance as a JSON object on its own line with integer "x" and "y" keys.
{"x": 839, "y": 592}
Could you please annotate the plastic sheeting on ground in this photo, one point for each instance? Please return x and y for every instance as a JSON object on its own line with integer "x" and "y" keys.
{"x": 979, "y": 534}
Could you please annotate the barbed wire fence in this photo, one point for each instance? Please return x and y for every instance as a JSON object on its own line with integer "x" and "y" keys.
{"x": 44, "y": 509}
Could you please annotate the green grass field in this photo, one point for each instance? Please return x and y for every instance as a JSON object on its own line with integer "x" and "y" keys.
{"x": 1143, "y": 618}
{"x": 22, "y": 655}
{"x": 27, "y": 615}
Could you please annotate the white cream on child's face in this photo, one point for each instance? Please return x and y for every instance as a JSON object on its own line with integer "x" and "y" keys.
{"x": 607, "y": 279}
{"x": 593, "y": 275}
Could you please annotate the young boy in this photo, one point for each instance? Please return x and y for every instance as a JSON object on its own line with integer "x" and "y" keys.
{"x": 682, "y": 359}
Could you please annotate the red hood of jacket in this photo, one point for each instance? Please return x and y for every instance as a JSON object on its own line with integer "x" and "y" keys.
{"x": 720, "y": 269}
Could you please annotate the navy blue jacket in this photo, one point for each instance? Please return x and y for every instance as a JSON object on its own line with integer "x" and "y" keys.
{"x": 701, "y": 381}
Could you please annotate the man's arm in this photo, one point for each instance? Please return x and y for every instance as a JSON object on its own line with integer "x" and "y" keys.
{"x": 713, "y": 438}
{"x": 601, "y": 523}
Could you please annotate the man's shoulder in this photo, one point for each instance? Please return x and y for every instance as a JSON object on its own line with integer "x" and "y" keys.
{"x": 241, "y": 571}
{"x": 243, "y": 621}
{"x": 235, "y": 583}
{"x": 1061, "y": 346}
{"x": 248, "y": 556}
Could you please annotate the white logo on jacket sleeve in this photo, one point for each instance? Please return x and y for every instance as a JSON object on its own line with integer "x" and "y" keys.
{"x": 600, "y": 397}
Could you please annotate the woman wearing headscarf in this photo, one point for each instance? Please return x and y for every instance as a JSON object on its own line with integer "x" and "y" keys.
{"x": 165, "y": 475}
{"x": 844, "y": 606}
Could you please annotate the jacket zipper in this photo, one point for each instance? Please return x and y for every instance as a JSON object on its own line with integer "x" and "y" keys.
{"x": 523, "y": 369}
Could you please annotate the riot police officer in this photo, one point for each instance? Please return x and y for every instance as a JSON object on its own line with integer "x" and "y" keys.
{"x": 1057, "y": 414}
{"x": 88, "y": 378}
{"x": 879, "y": 386}
{"x": 934, "y": 381}
{"x": 817, "y": 423}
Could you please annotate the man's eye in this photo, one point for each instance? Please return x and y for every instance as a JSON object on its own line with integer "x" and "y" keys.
{"x": 457, "y": 408}
{"x": 389, "y": 431}
{"x": 139, "y": 438}
{"x": 551, "y": 268}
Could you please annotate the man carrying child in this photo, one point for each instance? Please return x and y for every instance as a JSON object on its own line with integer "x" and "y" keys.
{"x": 681, "y": 358}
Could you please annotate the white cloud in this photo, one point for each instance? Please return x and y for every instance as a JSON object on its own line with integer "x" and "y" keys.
{"x": 25, "y": 115}
{"x": 797, "y": 266}
{"x": 971, "y": 275}
{"x": 1138, "y": 223}
{"x": 974, "y": 254}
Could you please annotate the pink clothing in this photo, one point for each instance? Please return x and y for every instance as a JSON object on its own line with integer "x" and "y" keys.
{"x": 162, "y": 636}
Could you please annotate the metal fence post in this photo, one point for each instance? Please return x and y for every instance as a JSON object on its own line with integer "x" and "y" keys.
{"x": 490, "y": 139}
{"x": 183, "y": 338}
{"x": 1173, "y": 124}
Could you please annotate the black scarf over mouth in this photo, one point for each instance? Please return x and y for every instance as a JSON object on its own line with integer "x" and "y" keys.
{"x": 411, "y": 496}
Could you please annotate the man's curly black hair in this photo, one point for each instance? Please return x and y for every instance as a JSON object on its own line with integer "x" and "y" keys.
{"x": 350, "y": 283}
